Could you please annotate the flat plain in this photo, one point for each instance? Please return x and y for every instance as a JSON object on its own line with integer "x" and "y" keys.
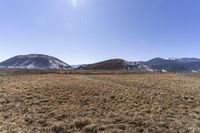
{"x": 105, "y": 103}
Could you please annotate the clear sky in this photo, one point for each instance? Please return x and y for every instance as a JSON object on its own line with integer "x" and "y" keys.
{"x": 86, "y": 31}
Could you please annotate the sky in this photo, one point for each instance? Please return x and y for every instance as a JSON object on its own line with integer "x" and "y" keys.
{"x": 87, "y": 31}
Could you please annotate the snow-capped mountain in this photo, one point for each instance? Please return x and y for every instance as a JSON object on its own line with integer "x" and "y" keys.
{"x": 75, "y": 66}
{"x": 34, "y": 61}
{"x": 116, "y": 64}
{"x": 187, "y": 60}
{"x": 174, "y": 65}
{"x": 184, "y": 60}
{"x": 171, "y": 58}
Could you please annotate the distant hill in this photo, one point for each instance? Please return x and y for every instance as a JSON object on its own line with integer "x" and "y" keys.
{"x": 34, "y": 61}
{"x": 188, "y": 60}
{"x": 174, "y": 65}
{"x": 116, "y": 64}
{"x": 75, "y": 66}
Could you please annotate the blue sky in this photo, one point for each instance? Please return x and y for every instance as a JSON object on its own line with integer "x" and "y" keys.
{"x": 86, "y": 31}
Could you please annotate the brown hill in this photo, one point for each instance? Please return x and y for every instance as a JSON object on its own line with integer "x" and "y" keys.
{"x": 116, "y": 64}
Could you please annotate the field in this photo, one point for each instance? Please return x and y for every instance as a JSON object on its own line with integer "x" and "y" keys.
{"x": 105, "y": 103}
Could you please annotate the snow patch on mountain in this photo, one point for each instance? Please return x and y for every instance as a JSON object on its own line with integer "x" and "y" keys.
{"x": 172, "y": 58}
{"x": 130, "y": 65}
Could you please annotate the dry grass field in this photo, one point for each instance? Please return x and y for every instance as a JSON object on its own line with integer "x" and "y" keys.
{"x": 104, "y": 103}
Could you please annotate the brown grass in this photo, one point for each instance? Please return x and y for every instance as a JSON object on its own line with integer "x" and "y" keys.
{"x": 62, "y": 103}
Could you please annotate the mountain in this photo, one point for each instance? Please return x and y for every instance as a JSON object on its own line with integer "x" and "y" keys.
{"x": 174, "y": 65}
{"x": 188, "y": 60}
{"x": 34, "y": 61}
{"x": 45, "y": 62}
{"x": 116, "y": 64}
{"x": 75, "y": 66}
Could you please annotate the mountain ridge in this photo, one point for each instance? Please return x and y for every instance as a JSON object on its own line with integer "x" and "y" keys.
{"x": 34, "y": 61}
{"x": 46, "y": 62}
{"x": 175, "y": 65}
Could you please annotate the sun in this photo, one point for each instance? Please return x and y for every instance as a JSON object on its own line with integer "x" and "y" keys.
{"x": 74, "y": 2}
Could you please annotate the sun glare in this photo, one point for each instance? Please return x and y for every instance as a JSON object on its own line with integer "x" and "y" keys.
{"x": 74, "y": 2}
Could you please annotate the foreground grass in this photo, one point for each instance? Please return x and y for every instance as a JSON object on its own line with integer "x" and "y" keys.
{"x": 64, "y": 103}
